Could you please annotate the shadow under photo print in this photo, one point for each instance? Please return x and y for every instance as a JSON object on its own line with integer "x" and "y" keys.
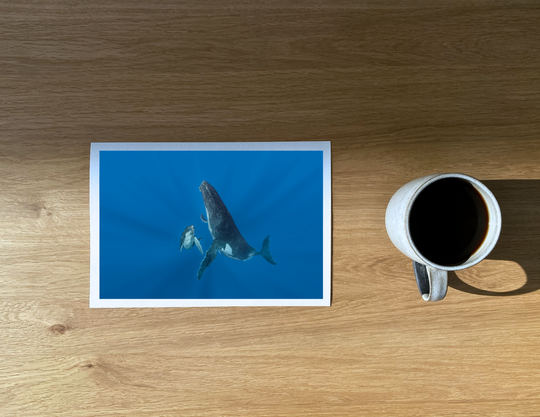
{"x": 210, "y": 224}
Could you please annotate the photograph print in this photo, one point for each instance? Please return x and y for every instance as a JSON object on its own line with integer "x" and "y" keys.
{"x": 210, "y": 224}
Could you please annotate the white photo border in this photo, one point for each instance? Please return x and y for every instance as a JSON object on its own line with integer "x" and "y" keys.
{"x": 97, "y": 302}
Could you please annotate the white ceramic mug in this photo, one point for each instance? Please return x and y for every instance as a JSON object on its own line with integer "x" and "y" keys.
{"x": 432, "y": 277}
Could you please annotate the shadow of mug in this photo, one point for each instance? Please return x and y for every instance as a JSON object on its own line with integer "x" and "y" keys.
{"x": 519, "y": 240}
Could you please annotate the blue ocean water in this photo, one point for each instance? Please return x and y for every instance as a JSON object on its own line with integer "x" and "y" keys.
{"x": 148, "y": 198}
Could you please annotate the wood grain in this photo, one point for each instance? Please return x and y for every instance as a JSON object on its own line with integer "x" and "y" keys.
{"x": 401, "y": 88}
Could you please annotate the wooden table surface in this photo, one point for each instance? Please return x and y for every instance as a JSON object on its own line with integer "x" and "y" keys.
{"x": 401, "y": 88}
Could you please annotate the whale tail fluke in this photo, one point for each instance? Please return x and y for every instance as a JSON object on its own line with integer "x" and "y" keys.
{"x": 265, "y": 251}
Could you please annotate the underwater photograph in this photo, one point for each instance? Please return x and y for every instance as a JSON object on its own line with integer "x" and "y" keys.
{"x": 211, "y": 225}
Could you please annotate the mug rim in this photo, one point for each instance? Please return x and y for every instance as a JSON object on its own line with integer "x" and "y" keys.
{"x": 486, "y": 247}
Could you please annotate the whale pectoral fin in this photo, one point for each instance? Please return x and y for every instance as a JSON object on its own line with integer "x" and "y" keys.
{"x": 208, "y": 258}
{"x": 265, "y": 251}
{"x": 203, "y": 219}
{"x": 198, "y": 245}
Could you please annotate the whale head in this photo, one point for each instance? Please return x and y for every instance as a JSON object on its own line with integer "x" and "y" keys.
{"x": 216, "y": 212}
{"x": 208, "y": 193}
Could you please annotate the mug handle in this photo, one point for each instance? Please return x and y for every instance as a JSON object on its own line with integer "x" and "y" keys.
{"x": 432, "y": 282}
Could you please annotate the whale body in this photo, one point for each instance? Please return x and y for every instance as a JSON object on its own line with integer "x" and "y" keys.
{"x": 227, "y": 239}
{"x": 188, "y": 239}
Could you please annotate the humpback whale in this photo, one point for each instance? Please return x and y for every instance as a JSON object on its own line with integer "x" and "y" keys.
{"x": 188, "y": 239}
{"x": 226, "y": 236}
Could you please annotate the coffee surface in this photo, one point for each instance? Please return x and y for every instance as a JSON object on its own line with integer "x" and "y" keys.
{"x": 448, "y": 221}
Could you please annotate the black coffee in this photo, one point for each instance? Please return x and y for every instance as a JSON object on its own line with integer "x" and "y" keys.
{"x": 448, "y": 221}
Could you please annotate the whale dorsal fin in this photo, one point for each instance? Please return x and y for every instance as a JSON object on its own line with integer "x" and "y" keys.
{"x": 208, "y": 258}
{"x": 203, "y": 219}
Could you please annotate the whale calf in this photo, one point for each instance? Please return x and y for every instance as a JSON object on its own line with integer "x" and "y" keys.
{"x": 226, "y": 236}
{"x": 188, "y": 239}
